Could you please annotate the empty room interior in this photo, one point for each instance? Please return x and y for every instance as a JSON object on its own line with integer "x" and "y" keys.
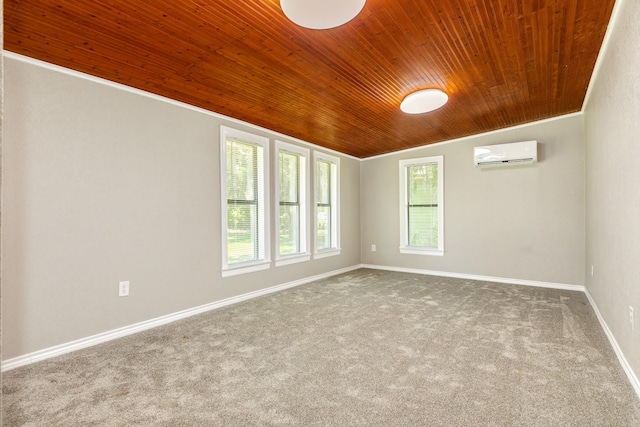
{"x": 303, "y": 212}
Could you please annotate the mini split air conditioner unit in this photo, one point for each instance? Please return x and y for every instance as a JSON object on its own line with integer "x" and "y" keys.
{"x": 515, "y": 153}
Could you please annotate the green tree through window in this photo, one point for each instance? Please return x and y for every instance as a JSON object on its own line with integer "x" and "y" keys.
{"x": 422, "y": 206}
{"x": 242, "y": 201}
{"x": 290, "y": 209}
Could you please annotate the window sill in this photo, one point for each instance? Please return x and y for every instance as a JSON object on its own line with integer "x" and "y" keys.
{"x": 292, "y": 259}
{"x": 417, "y": 251}
{"x": 327, "y": 253}
{"x": 247, "y": 268}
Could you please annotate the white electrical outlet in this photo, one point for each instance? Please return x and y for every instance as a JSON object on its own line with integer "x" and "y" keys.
{"x": 591, "y": 270}
{"x": 631, "y": 320}
{"x": 123, "y": 289}
{"x": 373, "y": 248}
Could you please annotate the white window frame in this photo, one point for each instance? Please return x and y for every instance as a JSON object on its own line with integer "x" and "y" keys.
{"x": 405, "y": 247}
{"x": 335, "y": 204}
{"x": 264, "y": 247}
{"x": 305, "y": 253}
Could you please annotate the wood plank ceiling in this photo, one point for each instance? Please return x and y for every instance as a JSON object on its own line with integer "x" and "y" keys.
{"x": 502, "y": 62}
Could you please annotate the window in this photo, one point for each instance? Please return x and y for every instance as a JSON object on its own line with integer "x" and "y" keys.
{"x": 422, "y": 207}
{"x": 292, "y": 216}
{"x": 327, "y": 214}
{"x": 245, "y": 219}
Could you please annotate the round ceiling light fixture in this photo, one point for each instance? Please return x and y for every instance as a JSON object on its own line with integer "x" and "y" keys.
{"x": 424, "y": 101}
{"x": 321, "y": 14}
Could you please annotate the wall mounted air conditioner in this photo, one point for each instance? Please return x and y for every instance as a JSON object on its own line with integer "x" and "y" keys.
{"x": 515, "y": 153}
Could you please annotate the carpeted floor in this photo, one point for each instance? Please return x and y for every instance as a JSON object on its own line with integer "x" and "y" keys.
{"x": 370, "y": 348}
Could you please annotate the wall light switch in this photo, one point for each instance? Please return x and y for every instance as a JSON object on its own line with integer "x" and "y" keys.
{"x": 373, "y": 248}
{"x": 123, "y": 289}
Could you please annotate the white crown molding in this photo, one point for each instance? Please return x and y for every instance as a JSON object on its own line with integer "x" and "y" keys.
{"x": 477, "y": 135}
{"x": 615, "y": 15}
{"x": 57, "y": 68}
{"x": 272, "y": 134}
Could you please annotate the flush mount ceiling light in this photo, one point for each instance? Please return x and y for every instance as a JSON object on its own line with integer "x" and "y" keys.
{"x": 424, "y": 101}
{"x": 321, "y": 14}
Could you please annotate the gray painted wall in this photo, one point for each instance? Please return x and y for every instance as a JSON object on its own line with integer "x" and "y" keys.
{"x": 103, "y": 185}
{"x": 1, "y": 145}
{"x": 521, "y": 222}
{"x": 612, "y": 132}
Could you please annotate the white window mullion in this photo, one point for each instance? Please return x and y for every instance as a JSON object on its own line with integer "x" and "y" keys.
{"x": 327, "y": 208}
{"x": 245, "y": 196}
{"x": 422, "y": 206}
{"x": 291, "y": 200}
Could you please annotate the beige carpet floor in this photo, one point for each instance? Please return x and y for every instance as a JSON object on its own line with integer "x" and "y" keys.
{"x": 367, "y": 348}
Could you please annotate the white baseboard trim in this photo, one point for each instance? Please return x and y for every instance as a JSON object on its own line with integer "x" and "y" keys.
{"x": 163, "y": 320}
{"x": 552, "y": 285}
{"x": 69, "y": 347}
{"x": 633, "y": 379}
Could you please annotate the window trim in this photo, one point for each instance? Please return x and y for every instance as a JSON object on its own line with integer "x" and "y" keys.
{"x": 405, "y": 247}
{"x": 335, "y": 248}
{"x": 264, "y": 260}
{"x": 305, "y": 223}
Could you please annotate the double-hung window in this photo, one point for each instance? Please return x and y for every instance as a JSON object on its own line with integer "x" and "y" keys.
{"x": 245, "y": 199}
{"x": 327, "y": 210}
{"x": 422, "y": 206}
{"x": 292, "y": 217}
